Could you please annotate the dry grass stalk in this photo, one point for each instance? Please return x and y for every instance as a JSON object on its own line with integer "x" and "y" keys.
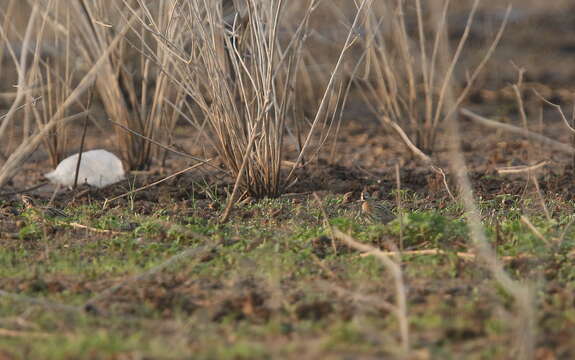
{"x": 568, "y": 123}
{"x": 525, "y": 220}
{"x": 14, "y": 162}
{"x": 54, "y": 77}
{"x": 166, "y": 148}
{"x": 107, "y": 201}
{"x": 559, "y": 110}
{"x": 241, "y": 80}
{"x": 135, "y": 93}
{"x": 231, "y": 76}
{"x": 161, "y": 113}
{"x": 543, "y": 140}
{"x": 522, "y": 293}
{"x": 401, "y": 76}
{"x": 445, "y": 105}
{"x": 468, "y": 256}
{"x": 91, "y": 42}
{"x": 49, "y": 305}
{"x": 513, "y": 170}
{"x": 352, "y": 37}
{"x": 24, "y": 334}
{"x": 7, "y": 14}
{"x": 57, "y": 90}
{"x": 400, "y": 308}
{"x": 394, "y": 268}
{"x": 191, "y": 252}
{"x": 540, "y": 196}
{"x": 399, "y": 204}
{"x": 373, "y": 301}
{"x": 21, "y": 65}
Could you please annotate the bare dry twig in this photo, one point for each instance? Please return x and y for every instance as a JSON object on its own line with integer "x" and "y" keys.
{"x": 513, "y": 170}
{"x": 24, "y": 334}
{"x": 397, "y": 273}
{"x": 519, "y": 131}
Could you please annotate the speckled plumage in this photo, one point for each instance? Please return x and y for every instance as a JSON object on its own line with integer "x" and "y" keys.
{"x": 375, "y": 211}
{"x": 39, "y": 213}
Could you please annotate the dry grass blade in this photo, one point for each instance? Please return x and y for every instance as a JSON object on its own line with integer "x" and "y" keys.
{"x": 19, "y": 156}
{"x": 26, "y": 334}
{"x": 57, "y": 307}
{"x": 400, "y": 289}
{"x": 231, "y": 77}
{"x": 520, "y": 292}
{"x": 400, "y": 308}
{"x": 92, "y": 229}
{"x": 448, "y": 105}
{"x": 240, "y": 77}
{"x": 401, "y": 71}
{"x": 558, "y": 109}
{"x": 152, "y": 184}
{"x": 351, "y": 38}
{"x": 135, "y": 96}
{"x": 512, "y": 170}
{"x": 54, "y": 77}
{"x": 165, "y": 147}
{"x": 21, "y": 68}
{"x": 239, "y": 178}
{"x": 92, "y": 42}
{"x": 525, "y": 220}
{"x": 519, "y": 131}
{"x": 468, "y": 256}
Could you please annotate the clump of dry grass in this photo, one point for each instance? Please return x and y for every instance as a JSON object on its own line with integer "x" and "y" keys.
{"x": 241, "y": 79}
{"x": 59, "y": 116}
{"x": 44, "y": 79}
{"x": 133, "y": 87}
{"x": 21, "y": 64}
{"x": 53, "y": 77}
{"x": 233, "y": 75}
{"x": 413, "y": 72}
{"x": 413, "y": 87}
{"x": 56, "y": 90}
{"x": 39, "y": 93}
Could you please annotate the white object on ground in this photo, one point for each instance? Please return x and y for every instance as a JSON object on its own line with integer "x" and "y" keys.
{"x": 98, "y": 168}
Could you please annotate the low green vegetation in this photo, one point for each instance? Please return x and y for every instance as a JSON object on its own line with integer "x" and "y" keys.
{"x": 272, "y": 282}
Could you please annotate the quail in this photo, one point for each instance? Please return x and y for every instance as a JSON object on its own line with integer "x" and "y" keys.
{"x": 374, "y": 211}
{"x": 40, "y": 213}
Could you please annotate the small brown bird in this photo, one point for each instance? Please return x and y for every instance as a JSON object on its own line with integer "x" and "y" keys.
{"x": 375, "y": 211}
{"x": 40, "y": 213}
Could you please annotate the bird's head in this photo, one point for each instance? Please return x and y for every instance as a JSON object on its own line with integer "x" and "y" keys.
{"x": 27, "y": 201}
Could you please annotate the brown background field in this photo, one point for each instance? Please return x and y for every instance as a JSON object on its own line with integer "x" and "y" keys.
{"x": 538, "y": 39}
{"x": 272, "y": 280}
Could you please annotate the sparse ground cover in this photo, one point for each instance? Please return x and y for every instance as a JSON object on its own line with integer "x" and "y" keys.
{"x": 156, "y": 274}
{"x": 273, "y": 281}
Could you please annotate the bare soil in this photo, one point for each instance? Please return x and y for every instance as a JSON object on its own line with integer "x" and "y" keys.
{"x": 539, "y": 39}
